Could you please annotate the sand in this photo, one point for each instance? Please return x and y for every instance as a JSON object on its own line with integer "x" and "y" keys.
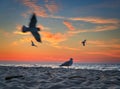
{"x": 57, "y": 78}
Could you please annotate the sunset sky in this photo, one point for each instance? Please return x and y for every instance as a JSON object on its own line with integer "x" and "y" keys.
{"x": 64, "y": 24}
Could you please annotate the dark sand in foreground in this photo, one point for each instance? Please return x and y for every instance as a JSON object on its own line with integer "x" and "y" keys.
{"x": 57, "y": 78}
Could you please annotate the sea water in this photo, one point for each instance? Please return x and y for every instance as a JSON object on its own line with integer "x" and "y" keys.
{"x": 93, "y": 66}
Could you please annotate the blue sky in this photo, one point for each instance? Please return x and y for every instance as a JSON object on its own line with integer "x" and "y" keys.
{"x": 64, "y": 24}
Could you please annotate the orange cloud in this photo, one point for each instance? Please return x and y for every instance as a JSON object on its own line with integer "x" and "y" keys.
{"x": 20, "y": 33}
{"x": 96, "y": 42}
{"x": 105, "y": 28}
{"x": 78, "y": 31}
{"x": 53, "y": 38}
{"x": 113, "y": 43}
{"x": 108, "y": 54}
{"x": 22, "y": 41}
{"x": 69, "y": 25}
{"x": 19, "y": 28}
{"x": 96, "y": 20}
{"x": 66, "y": 47}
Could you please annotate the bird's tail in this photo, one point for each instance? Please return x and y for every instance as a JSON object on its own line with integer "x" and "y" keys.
{"x": 61, "y": 65}
{"x": 25, "y": 29}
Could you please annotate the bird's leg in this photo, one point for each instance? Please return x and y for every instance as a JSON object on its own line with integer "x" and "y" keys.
{"x": 68, "y": 68}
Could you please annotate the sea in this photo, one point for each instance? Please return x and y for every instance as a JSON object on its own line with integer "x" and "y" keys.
{"x": 90, "y": 66}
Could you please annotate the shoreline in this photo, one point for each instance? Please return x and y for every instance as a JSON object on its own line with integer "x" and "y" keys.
{"x": 92, "y": 66}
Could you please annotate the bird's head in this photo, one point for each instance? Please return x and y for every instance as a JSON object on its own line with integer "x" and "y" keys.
{"x": 71, "y": 59}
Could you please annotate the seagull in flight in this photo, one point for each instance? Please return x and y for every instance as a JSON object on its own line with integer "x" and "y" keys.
{"x": 68, "y": 63}
{"x": 32, "y": 44}
{"x": 84, "y": 42}
{"x": 32, "y": 28}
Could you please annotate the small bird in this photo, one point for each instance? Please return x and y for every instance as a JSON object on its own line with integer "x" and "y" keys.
{"x": 33, "y": 44}
{"x": 32, "y": 28}
{"x": 84, "y": 42}
{"x": 68, "y": 63}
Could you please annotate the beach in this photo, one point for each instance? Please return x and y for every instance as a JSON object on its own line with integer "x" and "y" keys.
{"x": 57, "y": 78}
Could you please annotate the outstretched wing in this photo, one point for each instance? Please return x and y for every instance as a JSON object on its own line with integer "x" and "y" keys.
{"x": 36, "y": 36}
{"x": 25, "y": 29}
{"x": 33, "y": 21}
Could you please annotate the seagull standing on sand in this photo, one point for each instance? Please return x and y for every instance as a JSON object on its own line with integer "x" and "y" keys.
{"x": 68, "y": 63}
{"x": 32, "y": 43}
{"x": 32, "y": 28}
{"x": 84, "y": 42}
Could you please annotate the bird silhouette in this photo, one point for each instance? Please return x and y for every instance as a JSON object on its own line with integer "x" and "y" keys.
{"x": 84, "y": 42}
{"x": 32, "y": 28}
{"x": 32, "y": 44}
{"x": 68, "y": 63}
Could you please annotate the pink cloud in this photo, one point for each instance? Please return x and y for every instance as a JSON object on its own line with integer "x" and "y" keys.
{"x": 39, "y": 10}
{"x": 69, "y": 25}
{"x": 52, "y": 6}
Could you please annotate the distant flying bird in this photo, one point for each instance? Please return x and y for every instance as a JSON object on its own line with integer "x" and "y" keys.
{"x": 32, "y": 43}
{"x": 68, "y": 63}
{"x": 32, "y": 28}
{"x": 84, "y": 42}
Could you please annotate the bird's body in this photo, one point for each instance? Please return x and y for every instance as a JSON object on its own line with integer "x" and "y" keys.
{"x": 84, "y": 42}
{"x": 68, "y": 63}
{"x": 32, "y": 28}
